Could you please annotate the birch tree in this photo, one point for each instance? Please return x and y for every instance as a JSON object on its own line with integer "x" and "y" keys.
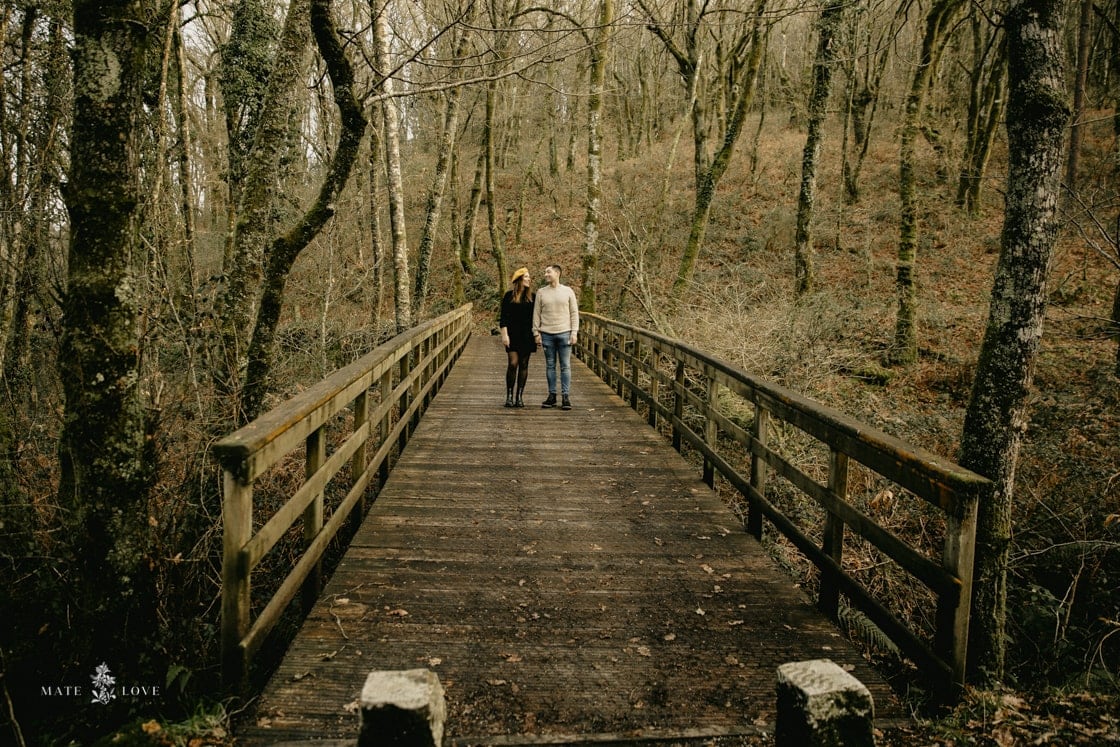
{"x": 391, "y": 142}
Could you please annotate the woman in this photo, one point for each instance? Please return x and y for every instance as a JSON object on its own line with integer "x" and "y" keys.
{"x": 517, "y": 334}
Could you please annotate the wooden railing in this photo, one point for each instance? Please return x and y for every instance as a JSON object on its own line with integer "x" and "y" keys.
{"x": 677, "y": 385}
{"x": 385, "y": 391}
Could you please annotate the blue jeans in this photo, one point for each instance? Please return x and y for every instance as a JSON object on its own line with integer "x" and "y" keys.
{"x": 557, "y": 346}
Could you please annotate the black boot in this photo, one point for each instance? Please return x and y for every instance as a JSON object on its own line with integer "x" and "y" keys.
{"x": 566, "y": 403}
{"x": 551, "y": 401}
{"x": 509, "y": 398}
{"x": 518, "y": 402}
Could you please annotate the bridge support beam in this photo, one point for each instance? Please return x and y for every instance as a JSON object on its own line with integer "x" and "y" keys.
{"x": 403, "y": 708}
{"x": 821, "y": 705}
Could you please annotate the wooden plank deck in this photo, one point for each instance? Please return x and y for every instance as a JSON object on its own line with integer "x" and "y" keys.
{"x": 566, "y": 574}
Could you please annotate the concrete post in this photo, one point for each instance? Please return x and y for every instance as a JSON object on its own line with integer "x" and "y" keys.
{"x": 402, "y": 708}
{"x": 821, "y": 705}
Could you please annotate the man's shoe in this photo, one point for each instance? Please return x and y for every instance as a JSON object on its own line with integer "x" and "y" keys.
{"x": 550, "y": 402}
{"x": 566, "y": 404}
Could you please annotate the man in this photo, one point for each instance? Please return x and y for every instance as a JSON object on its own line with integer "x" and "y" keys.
{"x": 556, "y": 329}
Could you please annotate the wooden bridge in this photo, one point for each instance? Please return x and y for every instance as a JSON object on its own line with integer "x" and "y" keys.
{"x": 568, "y": 575}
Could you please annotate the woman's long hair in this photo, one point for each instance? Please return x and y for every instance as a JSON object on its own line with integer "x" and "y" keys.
{"x": 522, "y": 293}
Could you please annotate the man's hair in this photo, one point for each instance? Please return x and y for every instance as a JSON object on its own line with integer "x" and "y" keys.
{"x": 555, "y": 267}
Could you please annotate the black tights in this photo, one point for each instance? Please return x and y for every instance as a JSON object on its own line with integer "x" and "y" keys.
{"x": 517, "y": 371}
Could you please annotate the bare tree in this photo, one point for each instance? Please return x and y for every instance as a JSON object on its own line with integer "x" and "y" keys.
{"x": 938, "y": 21}
{"x": 828, "y": 26}
{"x": 256, "y": 220}
{"x": 283, "y": 251}
{"x": 392, "y": 144}
{"x": 439, "y": 180}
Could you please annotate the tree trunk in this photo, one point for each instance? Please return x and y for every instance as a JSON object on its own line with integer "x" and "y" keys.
{"x": 256, "y": 217}
{"x": 439, "y": 181}
{"x": 283, "y": 252}
{"x": 470, "y": 218}
{"x": 497, "y": 247}
{"x": 985, "y": 110}
{"x": 718, "y": 166}
{"x": 1076, "y": 129}
{"x": 905, "y": 349}
{"x": 105, "y": 468}
{"x": 597, "y": 77}
{"x": 391, "y": 121}
{"x": 996, "y": 417}
{"x": 831, "y": 17}
{"x": 376, "y": 244}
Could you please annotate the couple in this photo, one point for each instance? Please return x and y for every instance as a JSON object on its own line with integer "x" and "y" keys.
{"x": 550, "y": 317}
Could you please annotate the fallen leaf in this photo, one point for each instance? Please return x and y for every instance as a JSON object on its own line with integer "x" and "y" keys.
{"x": 700, "y": 611}
{"x": 670, "y": 637}
{"x": 397, "y": 613}
{"x": 644, "y": 651}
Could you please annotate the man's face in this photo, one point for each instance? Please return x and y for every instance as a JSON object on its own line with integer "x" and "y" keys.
{"x": 550, "y": 274}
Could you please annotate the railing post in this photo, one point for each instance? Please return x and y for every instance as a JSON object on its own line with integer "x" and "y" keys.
{"x": 828, "y": 601}
{"x": 359, "y": 460}
{"x": 621, "y": 344}
{"x": 406, "y": 394}
{"x": 678, "y": 404}
{"x": 953, "y": 612}
{"x": 386, "y": 424}
{"x": 313, "y": 515}
{"x": 654, "y": 386}
{"x": 634, "y": 374}
{"x": 711, "y": 431}
{"x": 237, "y": 529}
{"x": 760, "y": 431}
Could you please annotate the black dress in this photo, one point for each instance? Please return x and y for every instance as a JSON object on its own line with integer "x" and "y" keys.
{"x": 518, "y": 319}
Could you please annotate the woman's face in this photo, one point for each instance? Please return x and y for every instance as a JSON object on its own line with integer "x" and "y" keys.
{"x": 524, "y": 281}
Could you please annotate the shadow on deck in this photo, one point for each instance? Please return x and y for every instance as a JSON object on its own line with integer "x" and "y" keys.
{"x": 566, "y": 574}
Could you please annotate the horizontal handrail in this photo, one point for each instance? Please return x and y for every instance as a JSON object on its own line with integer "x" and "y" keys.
{"x": 403, "y": 374}
{"x": 666, "y": 376}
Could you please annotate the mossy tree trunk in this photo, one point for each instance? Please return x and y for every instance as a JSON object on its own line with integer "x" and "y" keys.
{"x": 282, "y": 253}
{"x": 597, "y": 78}
{"x": 996, "y": 419}
{"x": 828, "y": 25}
{"x": 256, "y": 216}
{"x": 905, "y": 348}
{"x": 105, "y": 465}
{"x": 439, "y": 179}
{"x": 985, "y": 109}
{"x": 683, "y": 38}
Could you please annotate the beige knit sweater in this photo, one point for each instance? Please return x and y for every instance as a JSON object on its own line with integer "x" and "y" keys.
{"x": 556, "y": 310}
